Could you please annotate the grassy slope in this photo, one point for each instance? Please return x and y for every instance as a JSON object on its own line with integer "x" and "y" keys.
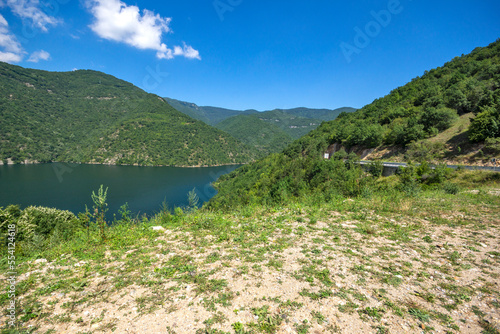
{"x": 388, "y": 263}
{"x": 88, "y": 116}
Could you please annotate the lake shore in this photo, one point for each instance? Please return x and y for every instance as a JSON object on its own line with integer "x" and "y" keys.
{"x": 34, "y": 162}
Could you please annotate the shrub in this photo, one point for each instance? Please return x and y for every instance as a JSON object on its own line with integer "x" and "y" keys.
{"x": 451, "y": 188}
{"x": 424, "y": 151}
{"x": 42, "y": 221}
{"x": 409, "y": 181}
{"x": 8, "y": 216}
{"x": 441, "y": 118}
{"x": 492, "y": 145}
{"x": 376, "y": 168}
{"x": 440, "y": 173}
{"x": 485, "y": 125}
{"x": 37, "y": 227}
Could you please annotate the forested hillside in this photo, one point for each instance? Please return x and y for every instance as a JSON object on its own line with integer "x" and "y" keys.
{"x": 429, "y": 105}
{"x": 283, "y": 125}
{"x": 321, "y": 114}
{"x": 88, "y": 116}
{"x": 295, "y": 126}
{"x": 253, "y": 131}
{"x": 209, "y": 115}
{"x": 305, "y": 118}
{"x": 423, "y": 108}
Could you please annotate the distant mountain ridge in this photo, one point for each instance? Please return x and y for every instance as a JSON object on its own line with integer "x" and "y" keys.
{"x": 214, "y": 115}
{"x": 253, "y": 131}
{"x": 91, "y": 117}
{"x": 267, "y": 131}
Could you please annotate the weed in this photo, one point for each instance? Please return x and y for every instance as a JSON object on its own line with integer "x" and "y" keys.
{"x": 372, "y": 312}
{"x": 320, "y": 318}
{"x": 303, "y": 328}
{"x": 348, "y": 307}
{"x": 419, "y": 314}
{"x": 321, "y": 294}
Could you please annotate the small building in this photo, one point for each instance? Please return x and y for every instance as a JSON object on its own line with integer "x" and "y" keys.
{"x": 330, "y": 151}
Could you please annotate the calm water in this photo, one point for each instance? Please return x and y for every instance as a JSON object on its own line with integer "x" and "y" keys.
{"x": 69, "y": 186}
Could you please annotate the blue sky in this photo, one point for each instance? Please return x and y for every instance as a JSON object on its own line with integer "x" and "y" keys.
{"x": 244, "y": 54}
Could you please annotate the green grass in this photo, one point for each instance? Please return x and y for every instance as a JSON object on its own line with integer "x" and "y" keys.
{"x": 199, "y": 263}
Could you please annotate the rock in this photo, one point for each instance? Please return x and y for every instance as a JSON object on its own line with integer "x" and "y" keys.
{"x": 40, "y": 261}
{"x": 158, "y": 228}
{"x": 81, "y": 263}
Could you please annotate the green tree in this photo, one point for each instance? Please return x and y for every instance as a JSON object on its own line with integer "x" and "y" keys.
{"x": 485, "y": 125}
{"x": 440, "y": 119}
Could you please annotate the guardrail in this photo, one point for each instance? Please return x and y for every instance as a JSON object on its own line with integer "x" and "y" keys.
{"x": 396, "y": 165}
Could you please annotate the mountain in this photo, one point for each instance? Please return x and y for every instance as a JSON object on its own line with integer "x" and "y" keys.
{"x": 214, "y": 115}
{"x": 253, "y": 131}
{"x": 209, "y": 115}
{"x": 295, "y": 126}
{"x": 462, "y": 96}
{"x": 249, "y": 125}
{"x": 321, "y": 114}
{"x": 88, "y": 116}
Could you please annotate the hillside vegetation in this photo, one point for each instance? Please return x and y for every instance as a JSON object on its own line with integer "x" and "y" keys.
{"x": 424, "y": 108}
{"x": 249, "y": 126}
{"x": 214, "y": 115}
{"x": 294, "y": 122}
{"x": 88, "y": 116}
{"x": 429, "y": 105}
{"x": 253, "y": 131}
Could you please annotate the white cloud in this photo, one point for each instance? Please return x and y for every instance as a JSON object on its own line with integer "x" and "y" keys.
{"x": 11, "y": 50}
{"x": 186, "y": 51}
{"x": 116, "y": 21}
{"x": 30, "y": 9}
{"x": 39, "y": 55}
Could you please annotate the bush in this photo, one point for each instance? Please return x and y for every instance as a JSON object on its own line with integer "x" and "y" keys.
{"x": 485, "y": 125}
{"x": 451, "y": 188}
{"x": 439, "y": 174}
{"x": 492, "y": 145}
{"x": 8, "y": 216}
{"x": 375, "y": 168}
{"x": 36, "y": 220}
{"x": 440, "y": 119}
{"x": 38, "y": 227}
{"x": 408, "y": 179}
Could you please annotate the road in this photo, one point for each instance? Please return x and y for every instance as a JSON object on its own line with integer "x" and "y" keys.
{"x": 402, "y": 164}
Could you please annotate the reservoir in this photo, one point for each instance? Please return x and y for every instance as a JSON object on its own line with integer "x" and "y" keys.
{"x": 69, "y": 186}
